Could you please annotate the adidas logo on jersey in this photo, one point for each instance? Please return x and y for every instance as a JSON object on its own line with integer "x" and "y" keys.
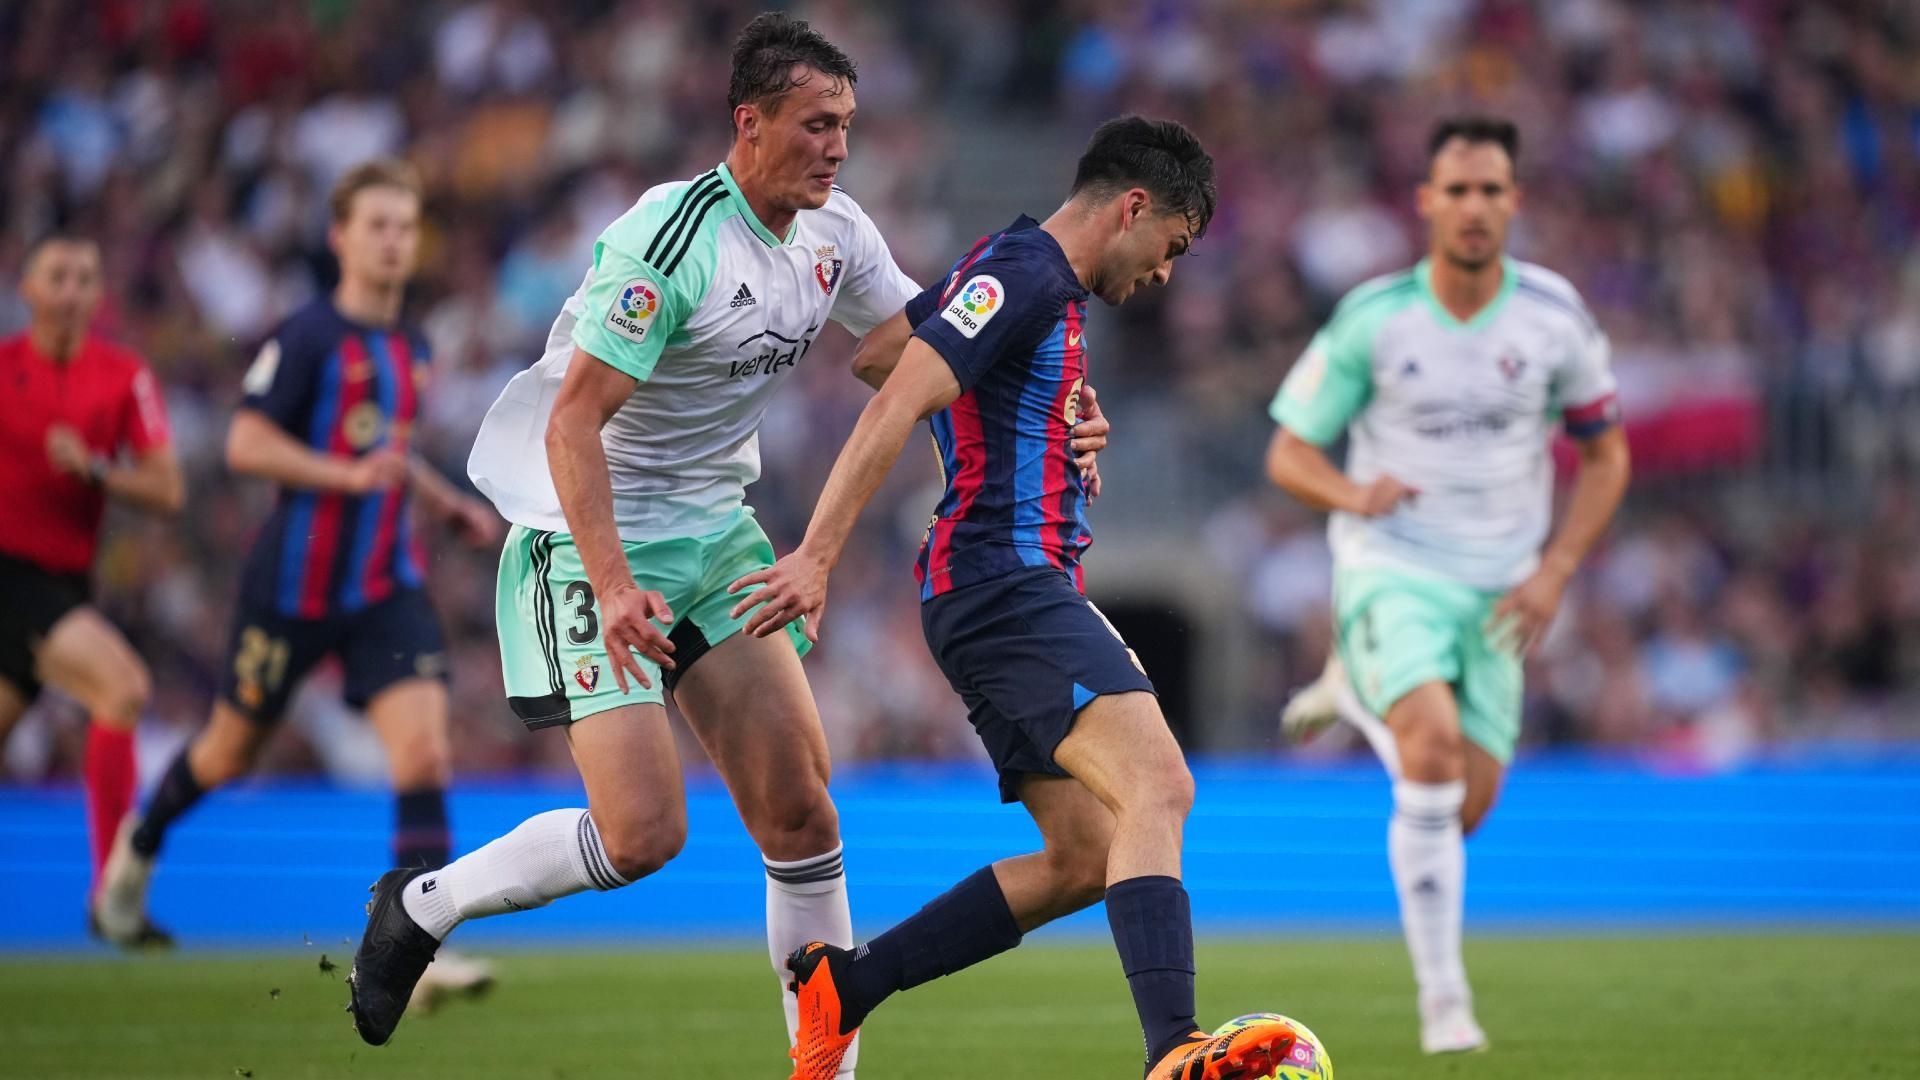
{"x": 743, "y": 298}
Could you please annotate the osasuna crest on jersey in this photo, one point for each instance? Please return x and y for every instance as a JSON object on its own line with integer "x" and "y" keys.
{"x": 826, "y": 268}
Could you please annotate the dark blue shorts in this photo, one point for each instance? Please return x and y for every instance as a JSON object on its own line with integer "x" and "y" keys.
{"x": 1026, "y": 653}
{"x": 269, "y": 653}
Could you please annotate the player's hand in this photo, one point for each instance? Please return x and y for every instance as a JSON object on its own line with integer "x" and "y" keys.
{"x": 627, "y": 617}
{"x": 475, "y": 523}
{"x": 795, "y": 586}
{"x": 1091, "y": 431}
{"x": 1522, "y": 617}
{"x": 1089, "y": 438}
{"x": 67, "y": 451}
{"x": 377, "y": 471}
{"x": 1383, "y": 497}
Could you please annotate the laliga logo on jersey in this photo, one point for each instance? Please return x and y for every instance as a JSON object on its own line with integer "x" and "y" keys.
{"x": 826, "y": 268}
{"x": 586, "y": 673}
{"x": 974, "y": 304}
{"x": 639, "y": 299}
{"x": 980, "y": 296}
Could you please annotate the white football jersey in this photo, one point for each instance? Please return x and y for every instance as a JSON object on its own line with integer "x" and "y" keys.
{"x": 691, "y": 295}
{"x": 1462, "y": 412}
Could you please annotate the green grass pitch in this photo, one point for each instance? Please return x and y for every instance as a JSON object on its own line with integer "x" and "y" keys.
{"x": 1746, "y": 1006}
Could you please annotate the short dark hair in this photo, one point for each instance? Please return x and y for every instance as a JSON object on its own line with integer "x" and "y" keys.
{"x": 766, "y": 52}
{"x": 47, "y": 239}
{"x": 55, "y": 236}
{"x": 1161, "y": 156}
{"x": 1475, "y": 129}
{"x": 378, "y": 172}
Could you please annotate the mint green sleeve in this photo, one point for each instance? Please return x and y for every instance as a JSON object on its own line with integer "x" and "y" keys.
{"x": 1330, "y": 384}
{"x": 630, "y": 310}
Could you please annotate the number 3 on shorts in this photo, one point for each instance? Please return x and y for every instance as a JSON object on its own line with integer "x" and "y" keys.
{"x": 579, "y": 594}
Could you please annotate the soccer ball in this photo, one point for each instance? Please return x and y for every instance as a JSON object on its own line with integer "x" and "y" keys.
{"x": 1308, "y": 1060}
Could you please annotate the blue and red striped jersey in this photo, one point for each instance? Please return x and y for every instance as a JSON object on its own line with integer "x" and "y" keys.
{"x": 343, "y": 389}
{"x": 1010, "y": 321}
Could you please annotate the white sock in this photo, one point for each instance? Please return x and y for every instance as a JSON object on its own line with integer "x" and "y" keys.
{"x": 548, "y": 856}
{"x": 1429, "y": 859}
{"x": 807, "y": 901}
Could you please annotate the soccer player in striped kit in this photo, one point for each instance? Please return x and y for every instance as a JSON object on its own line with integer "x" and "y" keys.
{"x": 995, "y": 358}
{"x": 83, "y": 423}
{"x": 338, "y": 569}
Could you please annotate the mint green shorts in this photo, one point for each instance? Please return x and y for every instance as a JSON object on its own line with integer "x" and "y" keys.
{"x": 551, "y": 653}
{"x": 1399, "y": 630}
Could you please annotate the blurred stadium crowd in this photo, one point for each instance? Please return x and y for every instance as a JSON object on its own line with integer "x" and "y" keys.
{"x": 1734, "y": 186}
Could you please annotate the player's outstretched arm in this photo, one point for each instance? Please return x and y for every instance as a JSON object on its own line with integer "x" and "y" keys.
{"x": 1302, "y": 470}
{"x": 1523, "y": 615}
{"x": 589, "y": 396}
{"x": 256, "y": 446}
{"x": 796, "y": 586}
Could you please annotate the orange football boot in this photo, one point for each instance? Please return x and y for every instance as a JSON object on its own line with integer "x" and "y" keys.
{"x": 1247, "y": 1054}
{"x": 821, "y": 1044}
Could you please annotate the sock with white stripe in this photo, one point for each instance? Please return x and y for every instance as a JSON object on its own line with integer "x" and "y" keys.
{"x": 1429, "y": 859}
{"x": 807, "y": 901}
{"x": 548, "y": 856}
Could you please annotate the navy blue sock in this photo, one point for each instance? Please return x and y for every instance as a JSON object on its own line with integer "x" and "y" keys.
{"x": 956, "y": 930}
{"x": 420, "y": 828}
{"x": 1153, "y": 929}
{"x": 177, "y": 793}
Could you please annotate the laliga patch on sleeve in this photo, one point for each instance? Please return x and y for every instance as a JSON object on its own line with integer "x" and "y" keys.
{"x": 634, "y": 307}
{"x": 259, "y": 377}
{"x": 976, "y": 302}
{"x": 1309, "y": 373}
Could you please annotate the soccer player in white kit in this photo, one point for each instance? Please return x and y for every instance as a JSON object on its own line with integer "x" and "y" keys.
{"x": 1448, "y": 380}
{"x": 621, "y": 458}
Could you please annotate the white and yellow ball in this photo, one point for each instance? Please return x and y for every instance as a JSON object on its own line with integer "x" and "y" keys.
{"x": 1308, "y": 1060}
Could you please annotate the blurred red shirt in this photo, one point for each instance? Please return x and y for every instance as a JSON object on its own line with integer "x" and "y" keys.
{"x": 106, "y": 394}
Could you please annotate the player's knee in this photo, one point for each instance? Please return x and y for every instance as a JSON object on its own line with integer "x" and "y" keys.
{"x": 422, "y": 760}
{"x": 1432, "y": 752}
{"x": 127, "y": 697}
{"x": 1079, "y": 875}
{"x": 1168, "y": 795}
{"x": 794, "y": 823}
{"x": 640, "y": 848}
